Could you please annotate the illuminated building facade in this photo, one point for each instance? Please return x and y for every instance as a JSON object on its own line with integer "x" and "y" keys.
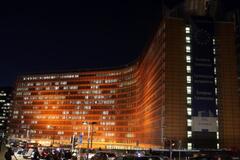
{"x": 5, "y": 108}
{"x": 183, "y": 89}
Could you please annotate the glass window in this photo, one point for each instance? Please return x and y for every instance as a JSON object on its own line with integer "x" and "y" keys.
{"x": 188, "y": 39}
{"x": 188, "y": 59}
{"x": 187, "y": 29}
{"x": 189, "y": 111}
{"x": 188, "y": 69}
{"x": 188, "y": 49}
{"x": 189, "y": 133}
{"x": 189, "y": 89}
{"x": 217, "y": 135}
{"x": 189, "y": 100}
{"x": 189, "y": 146}
{"x": 188, "y": 79}
{"x": 189, "y": 122}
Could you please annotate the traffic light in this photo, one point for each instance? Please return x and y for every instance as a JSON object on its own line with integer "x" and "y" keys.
{"x": 170, "y": 143}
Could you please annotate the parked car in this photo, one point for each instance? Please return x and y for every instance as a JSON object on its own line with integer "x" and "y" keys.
{"x": 134, "y": 157}
{"x": 28, "y": 154}
{"x": 19, "y": 154}
{"x": 104, "y": 156}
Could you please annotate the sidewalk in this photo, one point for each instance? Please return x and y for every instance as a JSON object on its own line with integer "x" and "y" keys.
{"x": 2, "y": 152}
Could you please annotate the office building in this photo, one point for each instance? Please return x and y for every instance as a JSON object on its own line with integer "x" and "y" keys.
{"x": 182, "y": 89}
{"x": 5, "y": 108}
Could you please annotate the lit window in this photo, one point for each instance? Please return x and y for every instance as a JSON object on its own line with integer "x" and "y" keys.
{"x": 189, "y": 146}
{"x": 189, "y": 122}
{"x": 216, "y": 111}
{"x": 214, "y": 60}
{"x": 214, "y": 51}
{"x": 189, "y": 100}
{"x": 188, "y": 69}
{"x": 94, "y": 87}
{"x": 216, "y": 101}
{"x": 188, "y": 39}
{"x": 105, "y": 112}
{"x": 218, "y": 146}
{"x": 187, "y": 29}
{"x": 189, "y": 133}
{"x": 188, "y": 59}
{"x": 189, "y": 89}
{"x": 217, "y": 135}
{"x": 215, "y": 71}
{"x": 188, "y": 49}
{"x": 216, "y": 91}
{"x": 188, "y": 79}
{"x": 215, "y": 80}
{"x": 130, "y": 135}
{"x": 213, "y": 41}
{"x": 60, "y": 132}
{"x": 189, "y": 111}
{"x": 109, "y": 134}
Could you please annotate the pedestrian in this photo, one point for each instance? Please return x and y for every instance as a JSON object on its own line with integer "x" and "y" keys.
{"x": 8, "y": 155}
{"x": 36, "y": 155}
{"x": 1, "y": 144}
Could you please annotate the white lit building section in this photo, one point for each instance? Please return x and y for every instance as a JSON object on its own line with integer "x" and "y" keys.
{"x": 188, "y": 49}
{"x": 187, "y": 30}
{"x": 188, "y": 58}
{"x": 189, "y": 134}
{"x": 188, "y": 68}
{"x": 189, "y": 146}
{"x": 188, "y": 39}
{"x": 189, "y": 100}
{"x": 189, "y": 122}
{"x": 189, "y": 111}
{"x": 189, "y": 90}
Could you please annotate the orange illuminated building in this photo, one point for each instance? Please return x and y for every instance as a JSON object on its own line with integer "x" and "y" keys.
{"x": 183, "y": 88}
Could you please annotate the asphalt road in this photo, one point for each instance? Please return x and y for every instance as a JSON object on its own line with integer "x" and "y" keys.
{"x": 3, "y": 151}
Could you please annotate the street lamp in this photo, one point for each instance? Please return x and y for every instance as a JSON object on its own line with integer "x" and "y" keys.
{"x": 90, "y": 133}
{"x": 52, "y": 135}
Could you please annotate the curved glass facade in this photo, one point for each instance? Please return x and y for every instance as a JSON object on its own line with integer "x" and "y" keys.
{"x": 147, "y": 104}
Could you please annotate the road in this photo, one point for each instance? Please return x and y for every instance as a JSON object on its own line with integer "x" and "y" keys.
{"x": 3, "y": 151}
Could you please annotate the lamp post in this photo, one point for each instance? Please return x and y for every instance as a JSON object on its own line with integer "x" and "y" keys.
{"x": 52, "y": 136}
{"x": 90, "y": 133}
{"x": 92, "y": 123}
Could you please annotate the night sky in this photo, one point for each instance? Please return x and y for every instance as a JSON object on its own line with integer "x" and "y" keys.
{"x": 37, "y": 37}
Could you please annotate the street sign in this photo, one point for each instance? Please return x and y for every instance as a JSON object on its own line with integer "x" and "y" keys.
{"x": 80, "y": 139}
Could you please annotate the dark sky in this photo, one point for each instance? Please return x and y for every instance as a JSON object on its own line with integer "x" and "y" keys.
{"x": 37, "y": 37}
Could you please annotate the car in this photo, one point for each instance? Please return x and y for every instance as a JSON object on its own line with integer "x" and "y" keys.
{"x": 28, "y": 154}
{"x": 103, "y": 156}
{"x": 19, "y": 154}
{"x": 134, "y": 157}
